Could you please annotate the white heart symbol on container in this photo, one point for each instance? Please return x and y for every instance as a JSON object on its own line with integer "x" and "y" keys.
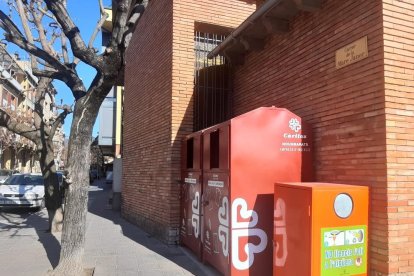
{"x": 244, "y": 214}
{"x": 196, "y": 203}
{"x": 223, "y": 232}
{"x": 250, "y": 249}
{"x": 195, "y": 221}
{"x": 223, "y": 213}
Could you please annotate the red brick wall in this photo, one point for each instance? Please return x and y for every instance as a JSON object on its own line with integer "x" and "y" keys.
{"x": 187, "y": 13}
{"x": 158, "y": 106}
{"x": 345, "y": 106}
{"x": 147, "y": 122}
{"x": 399, "y": 108}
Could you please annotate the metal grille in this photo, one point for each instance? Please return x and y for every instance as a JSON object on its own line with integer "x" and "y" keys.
{"x": 212, "y": 87}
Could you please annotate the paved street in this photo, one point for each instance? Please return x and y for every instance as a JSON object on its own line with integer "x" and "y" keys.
{"x": 113, "y": 247}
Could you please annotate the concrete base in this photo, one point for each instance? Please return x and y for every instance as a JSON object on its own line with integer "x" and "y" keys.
{"x": 116, "y": 201}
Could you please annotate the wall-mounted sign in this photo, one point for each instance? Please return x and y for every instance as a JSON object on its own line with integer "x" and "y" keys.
{"x": 352, "y": 53}
{"x": 190, "y": 180}
{"x": 344, "y": 250}
{"x": 212, "y": 183}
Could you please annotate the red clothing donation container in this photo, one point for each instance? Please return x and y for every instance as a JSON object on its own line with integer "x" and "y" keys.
{"x": 191, "y": 190}
{"x": 242, "y": 158}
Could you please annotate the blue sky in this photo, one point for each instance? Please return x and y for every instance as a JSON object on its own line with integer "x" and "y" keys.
{"x": 85, "y": 14}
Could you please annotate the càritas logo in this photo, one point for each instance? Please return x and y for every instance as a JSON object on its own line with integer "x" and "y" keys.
{"x": 295, "y": 125}
{"x": 242, "y": 229}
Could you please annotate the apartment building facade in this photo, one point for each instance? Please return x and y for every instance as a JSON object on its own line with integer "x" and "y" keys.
{"x": 17, "y": 95}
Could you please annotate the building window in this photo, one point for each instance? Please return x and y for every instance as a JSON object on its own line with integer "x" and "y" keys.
{"x": 13, "y": 103}
{"x": 5, "y": 97}
{"x": 211, "y": 82}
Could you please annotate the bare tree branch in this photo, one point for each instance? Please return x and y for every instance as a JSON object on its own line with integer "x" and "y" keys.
{"x": 98, "y": 27}
{"x": 39, "y": 102}
{"x": 44, "y": 12}
{"x": 53, "y": 74}
{"x": 73, "y": 34}
{"x": 14, "y": 35}
{"x": 69, "y": 78}
{"x": 69, "y": 75}
{"x": 8, "y": 25}
{"x": 119, "y": 23}
{"x": 55, "y": 36}
{"x": 28, "y": 32}
{"x": 64, "y": 48}
{"x": 43, "y": 63}
{"x": 13, "y": 125}
{"x": 42, "y": 36}
{"x": 60, "y": 119}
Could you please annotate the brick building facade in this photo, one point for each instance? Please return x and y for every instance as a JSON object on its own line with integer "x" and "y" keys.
{"x": 158, "y": 105}
{"x": 362, "y": 114}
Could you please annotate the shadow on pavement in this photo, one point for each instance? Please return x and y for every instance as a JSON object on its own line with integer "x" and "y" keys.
{"x": 14, "y": 219}
{"x": 48, "y": 240}
{"x": 22, "y": 219}
{"x": 99, "y": 206}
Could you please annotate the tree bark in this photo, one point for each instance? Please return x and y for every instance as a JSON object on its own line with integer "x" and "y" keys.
{"x": 74, "y": 225}
{"x": 53, "y": 199}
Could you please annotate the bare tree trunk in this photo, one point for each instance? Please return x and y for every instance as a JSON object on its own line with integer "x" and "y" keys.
{"x": 74, "y": 225}
{"x": 108, "y": 66}
{"x": 53, "y": 199}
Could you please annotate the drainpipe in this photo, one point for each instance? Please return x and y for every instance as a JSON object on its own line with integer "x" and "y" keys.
{"x": 1, "y": 154}
{"x": 268, "y": 5}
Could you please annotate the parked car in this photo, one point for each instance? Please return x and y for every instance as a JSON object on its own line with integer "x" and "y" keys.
{"x": 4, "y": 174}
{"x": 23, "y": 190}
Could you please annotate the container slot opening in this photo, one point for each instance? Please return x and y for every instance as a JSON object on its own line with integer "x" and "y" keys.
{"x": 190, "y": 153}
{"x": 214, "y": 149}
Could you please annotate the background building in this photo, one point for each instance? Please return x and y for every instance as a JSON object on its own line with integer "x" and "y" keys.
{"x": 17, "y": 94}
{"x": 110, "y": 113}
{"x": 111, "y": 124}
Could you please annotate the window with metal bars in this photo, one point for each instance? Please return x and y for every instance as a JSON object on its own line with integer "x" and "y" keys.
{"x": 212, "y": 89}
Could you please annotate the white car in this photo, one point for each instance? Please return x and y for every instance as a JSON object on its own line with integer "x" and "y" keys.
{"x": 4, "y": 174}
{"x": 23, "y": 190}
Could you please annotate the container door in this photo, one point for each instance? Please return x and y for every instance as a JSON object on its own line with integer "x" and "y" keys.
{"x": 191, "y": 192}
{"x": 292, "y": 231}
{"x": 216, "y": 221}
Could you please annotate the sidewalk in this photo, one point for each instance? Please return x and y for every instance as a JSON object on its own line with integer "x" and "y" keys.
{"x": 113, "y": 245}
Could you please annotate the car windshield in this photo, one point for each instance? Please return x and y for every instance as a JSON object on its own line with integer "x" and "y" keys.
{"x": 21, "y": 179}
{"x": 5, "y": 172}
